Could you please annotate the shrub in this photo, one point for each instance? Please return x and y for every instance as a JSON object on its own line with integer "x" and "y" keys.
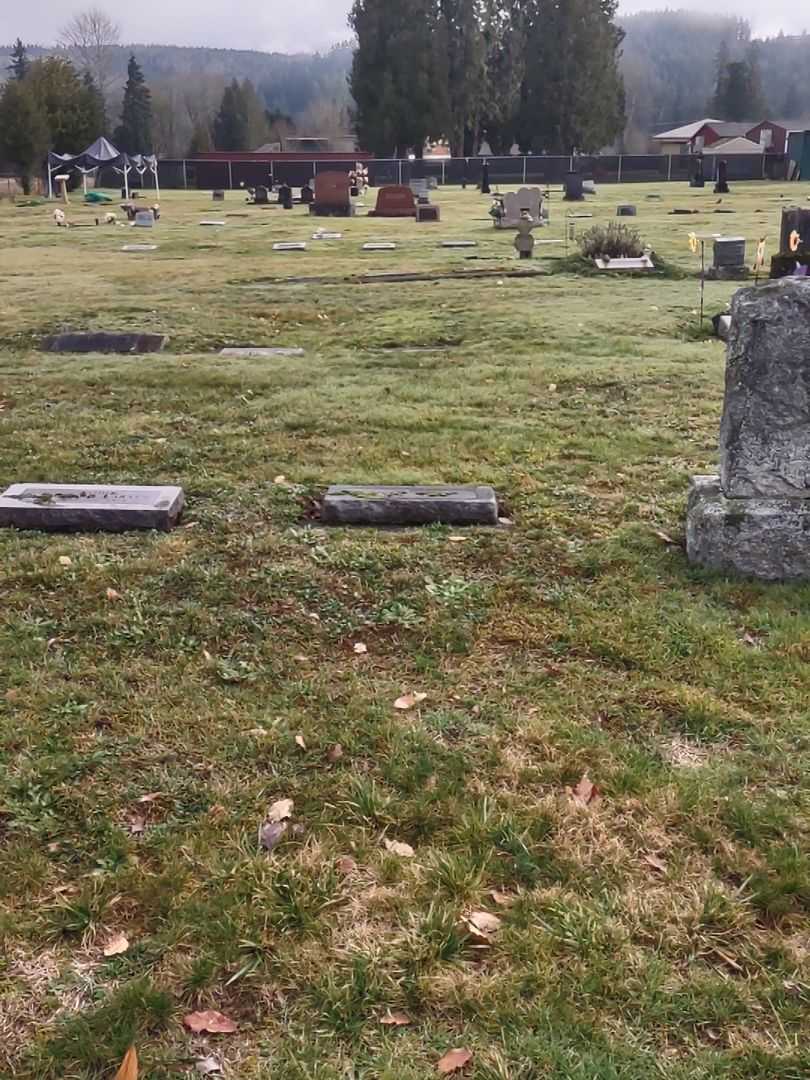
{"x": 614, "y": 240}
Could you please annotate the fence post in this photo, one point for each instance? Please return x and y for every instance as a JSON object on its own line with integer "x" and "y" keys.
{"x": 400, "y": 171}
{"x": 185, "y": 176}
{"x": 314, "y": 168}
{"x": 443, "y": 179}
{"x": 230, "y": 176}
{"x": 524, "y": 168}
{"x": 669, "y": 167}
{"x": 619, "y": 171}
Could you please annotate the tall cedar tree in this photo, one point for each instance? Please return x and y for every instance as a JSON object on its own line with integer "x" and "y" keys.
{"x": 573, "y": 95}
{"x": 23, "y": 130}
{"x": 19, "y": 61}
{"x": 134, "y": 134}
{"x": 96, "y": 109}
{"x": 69, "y": 108}
{"x": 231, "y": 122}
{"x": 399, "y": 75}
{"x": 461, "y": 40}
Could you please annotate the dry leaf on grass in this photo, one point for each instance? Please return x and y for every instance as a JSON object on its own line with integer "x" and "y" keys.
{"x": 656, "y": 863}
{"x": 211, "y": 1021}
{"x": 280, "y": 480}
{"x": 585, "y": 792}
{"x": 136, "y": 824}
{"x": 113, "y": 595}
{"x": 360, "y": 648}
{"x": 346, "y": 864}
{"x": 207, "y": 1066}
{"x": 299, "y": 741}
{"x": 453, "y": 1060}
{"x": 129, "y": 1066}
{"x": 153, "y": 796}
{"x": 271, "y": 833}
{"x": 115, "y": 945}
{"x": 408, "y": 701}
{"x": 483, "y": 922}
{"x": 664, "y": 536}
{"x": 395, "y": 847}
{"x": 65, "y": 560}
{"x": 279, "y": 811}
{"x": 502, "y": 899}
{"x": 335, "y": 753}
{"x": 396, "y": 1019}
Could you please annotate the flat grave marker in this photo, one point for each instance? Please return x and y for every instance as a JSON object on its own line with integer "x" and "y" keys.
{"x": 421, "y": 504}
{"x": 256, "y": 352}
{"x": 104, "y": 342}
{"x": 327, "y": 236}
{"x": 379, "y": 246}
{"x": 90, "y": 507}
{"x": 212, "y": 224}
{"x": 139, "y": 248}
{"x": 626, "y": 264}
{"x": 284, "y": 246}
{"x": 459, "y": 243}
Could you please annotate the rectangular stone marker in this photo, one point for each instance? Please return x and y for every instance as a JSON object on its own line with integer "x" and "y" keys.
{"x": 644, "y": 263}
{"x": 388, "y": 504}
{"x": 289, "y": 247}
{"x": 90, "y": 507}
{"x": 327, "y": 236}
{"x": 251, "y": 352}
{"x": 459, "y": 243}
{"x": 144, "y": 219}
{"x": 213, "y": 224}
{"x": 104, "y": 342}
{"x": 381, "y": 246}
{"x": 138, "y": 248}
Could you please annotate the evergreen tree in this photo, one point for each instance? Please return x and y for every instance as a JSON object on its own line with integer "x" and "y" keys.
{"x": 231, "y": 126}
{"x": 70, "y": 111}
{"x": 201, "y": 141}
{"x": 738, "y": 94}
{"x": 134, "y": 134}
{"x": 23, "y": 130}
{"x": 461, "y": 41}
{"x": 19, "y": 61}
{"x": 94, "y": 104}
{"x": 399, "y": 75}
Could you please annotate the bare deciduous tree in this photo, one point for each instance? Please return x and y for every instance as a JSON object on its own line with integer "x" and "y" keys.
{"x": 91, "y": 36}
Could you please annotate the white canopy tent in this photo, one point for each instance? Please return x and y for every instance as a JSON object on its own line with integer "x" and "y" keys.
{"x": 102, "y": 154}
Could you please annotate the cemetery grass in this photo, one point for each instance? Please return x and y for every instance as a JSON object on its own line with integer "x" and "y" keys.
{"x": 161, "y": 691}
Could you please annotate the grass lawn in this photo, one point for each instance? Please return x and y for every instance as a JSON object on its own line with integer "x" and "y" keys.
{"x": 160, "y": 691}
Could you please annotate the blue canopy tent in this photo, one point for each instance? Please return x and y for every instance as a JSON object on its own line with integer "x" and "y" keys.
{"x": 102, "y": 154}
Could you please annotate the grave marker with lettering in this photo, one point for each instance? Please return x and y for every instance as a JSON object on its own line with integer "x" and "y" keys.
{"x": 90, "y": 507}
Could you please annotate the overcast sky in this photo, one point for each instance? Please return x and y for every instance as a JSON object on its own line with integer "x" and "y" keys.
{"x": 296, "y": 25}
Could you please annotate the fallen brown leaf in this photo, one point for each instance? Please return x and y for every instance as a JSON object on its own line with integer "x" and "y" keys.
{"x": 207, "y": 1066}
{"x": 398, "y": 848}
{"x": 271, "y": 833}
{"x": 453, "y": 1060}
{"x": 128, "y": 1070}
{"x": 360, "y": 648}
{"x": 585, "y": 792}
{"x": 65, "y": 560}
{"x": 656, "y": 863}
{"x": 113, "y": 595}
{"x": 299, "y": 741}
{"x": 137, "y": 824}
{"x": 335, "y": 753}
{"x": 280, "y": 811}
{"x": 346, "y": 864}
{"x": 211, "y": 1021}
{"x": 409, "y": 701}
{"x": 153, "y": 796}
{"x": 396, "y": 1019}
{"x": 664, "y": 536}
{"x": 502, "y": 899}
{"x": 116, "y": 944}
{"x": 483, "y": 922}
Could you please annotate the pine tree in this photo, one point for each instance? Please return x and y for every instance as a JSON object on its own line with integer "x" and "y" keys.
{"x": 461, "y": 40}
{"x": 134, "y": 134}
{"x": 24, "y": 132}
{"x": 231, "y": 126}
{"x": 19, "y": 61}
{"x": 201, "y": 141}
{"x": 94, "y": 104}
{"x": 63, "y": 99}
{"x": 399, "y": 75}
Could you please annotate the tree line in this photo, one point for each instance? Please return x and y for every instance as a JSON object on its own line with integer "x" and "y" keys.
{"x": 540, "y": 73}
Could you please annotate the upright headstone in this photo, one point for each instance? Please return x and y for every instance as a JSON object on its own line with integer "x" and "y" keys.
{"x": 574, "y": 189}
{"x": 394, "y": 200}
{"x": 698, "y": 179}
{"x": 332, "y": 195}
{"x": 794, "y": 242}
{"x": 721, "y": 184}
{"x": 728, "y": 263}
{"x": 285, "y": 196}
{"x": 516, "y": 202}
{"x": 485, "y": 187}
{"x": 754, "y": 518}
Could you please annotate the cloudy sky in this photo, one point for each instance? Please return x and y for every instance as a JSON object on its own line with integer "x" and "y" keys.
{"x": 297, "y": 25}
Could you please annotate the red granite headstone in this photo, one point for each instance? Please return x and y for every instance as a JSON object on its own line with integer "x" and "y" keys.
{"x": 396, "y": 200}
{"x": 332, "y": 194}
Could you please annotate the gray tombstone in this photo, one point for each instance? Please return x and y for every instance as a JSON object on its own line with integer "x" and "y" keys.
{"x": 144, "y": 219}
{"x": 386, "y": 504}
{"x": 90, "y": 507}
{"x": 254, "y": 352}
{"x": 728, "y": 263}
{"x": 754, "y": 518}
{"x": 626, "y": 210}
{"x": 290, "y": 246}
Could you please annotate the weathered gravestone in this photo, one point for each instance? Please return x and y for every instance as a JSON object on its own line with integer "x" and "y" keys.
{"x": 297, "y": 245}
{"x": 332, "y": 195}
{"x": 381, "y": 245}
{"x": 754, "y": 518}
{"x": 626, "y": 210}
{"x": 729, "y": 259}
{"x": 395, "y": 200}
{"x": 386, "y": 504}
{"x": 103, "y": 342}
{"x": 515, "y": 203}
{"x": 794, "y": 242}
{"x": 90, "y": 507}
{"x": 255, "y": 352}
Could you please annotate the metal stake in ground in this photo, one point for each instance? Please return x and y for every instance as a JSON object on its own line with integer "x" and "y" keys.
{"x": 694, "y": 241}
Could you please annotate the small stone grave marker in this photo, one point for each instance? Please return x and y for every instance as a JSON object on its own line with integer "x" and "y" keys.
{"x": 213, "y": 224}
{"x": 138, "y": 248}
{"x": 283, "y": 246}
{"x": 459, "y": 243}
{"x": 104, "y": 342}
{"x": 257, "y": 352}
{"x": 90, "y": 507}
{"x": 379, "y": 246}
{"x": 388, "y": 504}
{"x": 626, "y": 264}
{"x": 144, "y": 219}
{"x": 327, "y": 236}
{"x": 626, "y": 210}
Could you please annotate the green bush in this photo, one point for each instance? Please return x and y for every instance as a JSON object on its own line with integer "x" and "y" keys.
{"x": 613, "y": 240}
